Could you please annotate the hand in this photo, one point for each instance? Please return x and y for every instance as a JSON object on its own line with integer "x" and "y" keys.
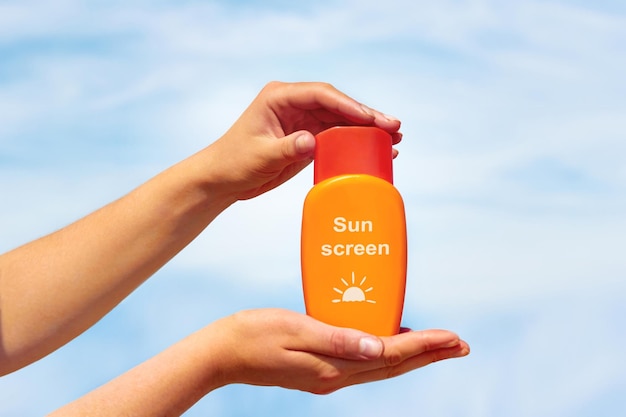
{"x": 274, "y": 137}
{"x": 263, "y": 347}
{"x": 282, "y": 348}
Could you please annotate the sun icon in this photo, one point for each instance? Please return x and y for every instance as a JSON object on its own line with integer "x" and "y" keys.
{"x": 353, "y": 293}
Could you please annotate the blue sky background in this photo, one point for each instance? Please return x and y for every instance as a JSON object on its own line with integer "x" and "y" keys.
{"x": 512, "y": 170}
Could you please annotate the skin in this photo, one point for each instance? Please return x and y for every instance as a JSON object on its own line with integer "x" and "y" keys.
{"x": 56, "y": 287}
{"x": 263, "y": 347}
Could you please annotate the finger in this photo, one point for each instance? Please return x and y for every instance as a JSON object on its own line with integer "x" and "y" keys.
{"x": 278, "y": 154}
{"x": 294, "y": 147}
{"x": 402, "y": 347}
{"x": 333, "y": 342}
{"x": 412, "y": 343}
{"x": 312, "y": 96}
{"x": 384, "y": 121}
{"x": 396, "y": 137}
{"x": 410, "y": 364}
{"x": 283, "y": 158}
{"x": 405, "y": 353}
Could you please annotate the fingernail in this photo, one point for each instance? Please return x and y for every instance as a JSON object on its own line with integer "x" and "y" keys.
{"x": 464, "y": 352}
{"x": 305, "y": 143}
{"x": 451, "y": 343}
{"x": 370, "y": 347}
{"x": 462, "y": 349}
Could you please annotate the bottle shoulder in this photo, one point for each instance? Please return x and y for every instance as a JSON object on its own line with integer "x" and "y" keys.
{"x": 354, "y": 191}
{"x": 354, "y": 182}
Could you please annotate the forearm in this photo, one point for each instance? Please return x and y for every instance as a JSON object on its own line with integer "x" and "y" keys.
{"x": 54, "y": 288}
{"x": 166, "y": 385}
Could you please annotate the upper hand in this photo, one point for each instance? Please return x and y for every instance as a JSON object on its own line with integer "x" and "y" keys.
{"x": 274, "y": 137}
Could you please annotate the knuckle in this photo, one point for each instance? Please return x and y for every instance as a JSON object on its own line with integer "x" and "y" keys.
{"x": 329, "y": 375}
{"x": 272, "y": 88}
{"x": 393, "y": 358}
{"x": 338, "y": 343}
{"x": 242, "y": 318}
{"x": 272, "y": 85}
{"x": 325, "y": 85}
{"x": 329, "y": 380}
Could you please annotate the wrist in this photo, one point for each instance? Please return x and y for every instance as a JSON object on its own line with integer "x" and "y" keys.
{"x": 213, "y": 173}
{"x": 212, "y": 356}
{"x": 195, "y": 186}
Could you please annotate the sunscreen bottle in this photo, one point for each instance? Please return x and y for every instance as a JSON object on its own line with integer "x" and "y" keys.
{"x": 353, "y": 243}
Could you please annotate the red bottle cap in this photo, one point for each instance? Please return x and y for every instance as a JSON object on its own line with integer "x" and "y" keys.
{"x": 345, "y": 150}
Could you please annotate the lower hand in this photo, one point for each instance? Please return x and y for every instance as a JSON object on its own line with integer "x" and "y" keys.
{"x": 283, "y": 348}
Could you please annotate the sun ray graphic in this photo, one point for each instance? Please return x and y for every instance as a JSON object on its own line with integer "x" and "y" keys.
{"x": 354, "y": 292}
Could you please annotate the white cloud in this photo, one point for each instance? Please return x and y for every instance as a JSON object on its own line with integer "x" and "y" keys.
{"x": 482, "y": 258}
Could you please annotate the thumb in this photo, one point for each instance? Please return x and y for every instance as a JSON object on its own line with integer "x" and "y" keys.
{"x": 353, "y": 344}
{"x": 337, "y": 342}
{"x": 295, "y": 147}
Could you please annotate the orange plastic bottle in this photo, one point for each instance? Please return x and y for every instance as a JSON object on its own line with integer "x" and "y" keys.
{"x": 353, "y": 247}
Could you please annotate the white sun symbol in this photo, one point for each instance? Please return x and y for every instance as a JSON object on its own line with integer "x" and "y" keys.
{"x": 353, "y": 292}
